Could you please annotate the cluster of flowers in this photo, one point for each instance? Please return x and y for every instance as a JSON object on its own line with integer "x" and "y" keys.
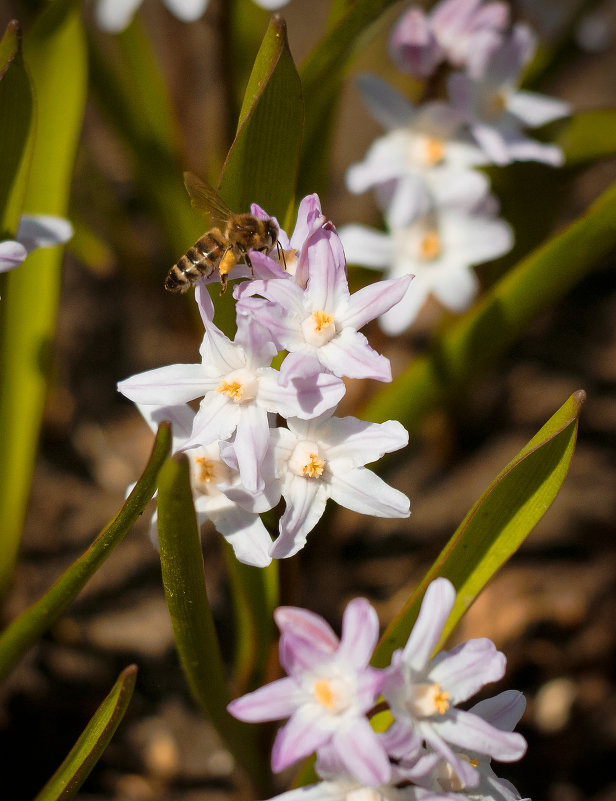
{"x": 242, "y": 463}
{"x": 439, "y": 212}
{"x": 114, "y": 16}
{"x": 431, "y": 750}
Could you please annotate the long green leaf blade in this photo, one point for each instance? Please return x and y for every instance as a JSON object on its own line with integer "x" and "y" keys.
{"x": 23, "y": 632}
{"x": 497, "y": 524}
{"x": 88, "y": 749}
{"x": 500, "y": 317}
{"x": 262, "y": 164}
{"x": 16, "y": 127}
{"x": 195, "y": 636}
{"x": 56, "y": 58}
{"x": 588, "y": 136}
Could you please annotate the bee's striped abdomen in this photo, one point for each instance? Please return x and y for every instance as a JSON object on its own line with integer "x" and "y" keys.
{"x": 198, "y": 262}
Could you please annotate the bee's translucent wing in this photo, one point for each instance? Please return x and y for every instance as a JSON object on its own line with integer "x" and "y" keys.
{"x": 205, "y": 199}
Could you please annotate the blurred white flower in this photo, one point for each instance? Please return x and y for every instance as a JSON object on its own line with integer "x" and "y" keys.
{"x": 114, "y": 16}
{"x": 35, "y": 231}
{"x": 425, "y": 158}
{"x": 439, "y": 249}
{"x": 496, "y": 110}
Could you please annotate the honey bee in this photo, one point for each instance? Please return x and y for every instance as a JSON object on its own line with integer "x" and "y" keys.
{"x": 220, "y": 247}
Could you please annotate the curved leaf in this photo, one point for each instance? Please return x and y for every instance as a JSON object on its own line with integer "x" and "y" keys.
{"x": 23, "y": 632}
{"x": 499, "y": 318}
{"x": 322, "y": 74}
{"x": 497, "y": 524}
{"x": 588, "y": 136}
{"x": 88, "y": 749}
{"x": 16, "y": 128}
{"x": 181, "y": 563}
{"x": 56, "y": 58}
{"x": 128, "y": 85}
{"x": 262, "y": 163}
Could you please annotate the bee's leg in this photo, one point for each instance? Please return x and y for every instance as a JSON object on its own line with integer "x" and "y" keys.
{"x": 281, "y": 256}
{"x": 224, "y": 268}
{"x": 246, "y": 258}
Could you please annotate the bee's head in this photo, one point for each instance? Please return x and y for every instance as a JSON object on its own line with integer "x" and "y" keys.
{"x": 271, "y": 231}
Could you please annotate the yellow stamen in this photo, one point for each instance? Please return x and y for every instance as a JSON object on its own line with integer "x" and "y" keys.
{"x": 435, "y": 151}
{"x": 321, "y": 320}
{"x": 206, "y": 469}
{"x": 314, "y": 466}
{"x": 323, "y": 693}
{"x": 441, "y": 699}
{"x": 430, "y": 245}
{"x": 497, "y": 104}
{"x": 231, "y": 388}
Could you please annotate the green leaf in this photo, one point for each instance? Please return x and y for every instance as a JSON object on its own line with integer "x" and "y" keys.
{"x": 191, "y": 618}
{"x": 261, "y": 166}
{"x": 255, "y": 594}
{"x": 499, "y": 318}
{"x": 587, "y": 136}
{"x": 88, "y": 749}
{"x": 127, "y": 83}
{"x": 56, "y": 58}
{"x": 23, "y": 632}
{"x": 497, "y": 524}
{"x": 16, "y": 127}
{"x": 322, "y": 75}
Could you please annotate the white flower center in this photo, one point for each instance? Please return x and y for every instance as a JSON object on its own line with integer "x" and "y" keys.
{"x": 429, "y": 150}
{"x": 305, "y": 460}
{"x": 319, "y": 328}
{"x": 427, "y": 699}
{"x": 333, "y": 694}
{"x": 364, "y": 794}
{"x": 429, "y": 245}
{"x": 240, "y": 385}
{"x": 445, "y": 776}
{"x": 288, "y": 260}
{"x": 492, "y": 105}
{"x": 420, "y": 241}
{"x": 206, "y": 472}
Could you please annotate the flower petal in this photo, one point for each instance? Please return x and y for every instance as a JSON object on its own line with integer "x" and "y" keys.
{"x": 354, "y": 443}
{"x": 363, "y": 491}
{"x": 535, "y": 109}
{"x": 308, "y": 625}
{"x": 471, "y": 732}
{"x": 435, "y": 608}
{"x": 464, "y": 670}
{"x": 114, "y": 15}
{"x": 12, "y": 254}
{"x": 366, "y": 246}
{"x": 306, "y": 499}
{"x": 43, "y": 231}
{"x": 350, "y": 355}
{"x": 251, "y": 441}
{"x": 274, "y": 701}
{"x": 360, "y": 632}
{"x": 503, "y": 710}
{"x": 373, "y": 300}
{"x": 187, "y": 10}
{"x": 166, "y": 386}
{"x": 361, "y": 753}
{"x": 299, "y": 737}
{"x": 245, "y": 533}
{"x": 386, "y": 105}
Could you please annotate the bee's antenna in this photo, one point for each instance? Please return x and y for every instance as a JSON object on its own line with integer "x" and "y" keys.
{"x": 280, "y": 250}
